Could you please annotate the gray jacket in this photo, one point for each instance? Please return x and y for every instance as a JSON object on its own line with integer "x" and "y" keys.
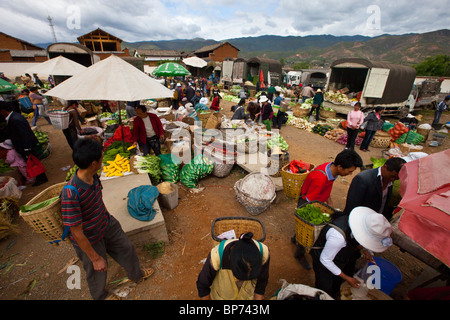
{"x": 373, "y": 124}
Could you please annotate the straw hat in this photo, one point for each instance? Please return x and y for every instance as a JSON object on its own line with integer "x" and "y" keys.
{"x": 371, "y": 229}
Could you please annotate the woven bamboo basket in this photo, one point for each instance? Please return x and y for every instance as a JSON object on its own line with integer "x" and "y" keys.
{"x": 301, "y": 112}
{"x": 293, "y": 182}
{"x": 252, "y": 205}
{"x": 423, "y": 132}
{"x": 240, "y": 225}
{"x": 307, "y": 233}
{"x": 223, "y": 164}
{"x": 47, "y": 222}
{"x": 381, "y": 139}
{"x": 327, "y": 114}
{"x": 204, "y": 117}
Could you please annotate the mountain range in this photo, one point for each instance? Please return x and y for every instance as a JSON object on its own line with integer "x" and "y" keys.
{"x": 322, "y": 50}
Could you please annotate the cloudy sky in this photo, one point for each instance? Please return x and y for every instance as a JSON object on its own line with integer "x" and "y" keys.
{"x": 140, "y": 20}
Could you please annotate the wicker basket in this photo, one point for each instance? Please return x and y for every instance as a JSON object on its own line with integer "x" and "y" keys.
{"x": 59, "y": 118}
{"x": 327, "y": 114}
{"x": 293, "y": 182}
{"x": 307, "y": 233}
{"x": 223, "y": 164}
{"x": 252, "y": 205}
{"x": 301, "y": 112}
{"x": 47, "y": 222}
{"x": 240, "y": 225}
{"x": 204, "y": 117}
{"x": 381, "y": 139}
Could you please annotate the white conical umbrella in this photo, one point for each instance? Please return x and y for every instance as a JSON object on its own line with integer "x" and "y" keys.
{"x": 195, "y": 62}
{"x": 58, "y": 66}
{"x": 111, "y": 79}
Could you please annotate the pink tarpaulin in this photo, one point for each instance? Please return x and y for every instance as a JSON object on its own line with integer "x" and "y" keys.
{"x": 426, "y": 204}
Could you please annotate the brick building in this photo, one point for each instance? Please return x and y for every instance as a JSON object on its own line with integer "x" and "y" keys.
{"x": 218, "y": 52}
{"x": 16, "y": 50}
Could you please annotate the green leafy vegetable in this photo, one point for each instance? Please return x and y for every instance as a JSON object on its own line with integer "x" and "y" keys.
{"x": 313, "y": 214}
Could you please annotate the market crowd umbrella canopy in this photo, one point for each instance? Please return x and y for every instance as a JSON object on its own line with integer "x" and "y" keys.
{"x": 59, "y": 66}
{"x": 170, "y": 69}
{"x": 195, "y": 62}
{"x": 111, "y": 79}
{"x": 5, "y": 86}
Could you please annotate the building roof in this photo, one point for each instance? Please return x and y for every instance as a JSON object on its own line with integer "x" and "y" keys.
{"x": 95, "y": 32}
{"x": 214, "y": 47}
{"x": 26, "y": 53}
{"x": 157, "y": 53}
{"x": 33, "y": 46}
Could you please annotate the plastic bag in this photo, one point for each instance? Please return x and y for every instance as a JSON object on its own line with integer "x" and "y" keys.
{"x": 8, "y": 188}
{"x": 34, "y": 167}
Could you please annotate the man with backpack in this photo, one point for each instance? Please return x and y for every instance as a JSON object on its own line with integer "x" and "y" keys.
{"x": 93, "y": 231}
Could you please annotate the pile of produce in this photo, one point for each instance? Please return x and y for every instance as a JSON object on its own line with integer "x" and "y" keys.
{"x": 343, "y": 140}
{"x": 105, "y": 116}
{"x": 198, "y": 168}
{"x": 149, "y": 164}
{"x": 117, "y": 167}
{"x": 334, "y": 134}
{"x": 300, "y": 123}
{"x": 4, "y": 167}
{"x": 116, "y": 148}
{"x": 313, "y": 214}
{"x": 235, "y": 89}
{"x": 412, "y": 138}
{"x": 229, "y": 97}
{"x": 277, "y": 141}
{"x": 8, "y": 211}
{"x": 397, "y": 131}
{"x": 378, "y": 162}
{"x": 337, "y": 97}
{"x": 42, "y": 137}
{"x": 321, "y": 129}
{"x": 71, "y": 172}
{"x": 170, "y": 170}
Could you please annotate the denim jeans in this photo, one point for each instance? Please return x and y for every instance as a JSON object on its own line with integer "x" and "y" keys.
{"x": 367, "y": 139}
{"x": 36, "y": 116}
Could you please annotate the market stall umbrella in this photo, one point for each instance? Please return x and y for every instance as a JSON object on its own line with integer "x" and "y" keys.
{"x": 111, "y": 79}
{"x": 5, "y": 86}
{"x": 170, "y": 69}
{"x": 195, "y": 62}
{"x": 58, "y": 66}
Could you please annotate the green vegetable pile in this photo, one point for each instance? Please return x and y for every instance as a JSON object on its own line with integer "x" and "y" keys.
{"x": 377, "y": 162}
{"x": 42, "y": 137}
{"x": 114, "y": 149}
{"x": 170, "y": 170}
{"x": 413, "y": 138}
{"x": 149, "y": 164}
{"x": 196, "y": 169}
{"x": 313, "y": 214}
{"x": 4, "y": 167}
{"x": 279, "y": 141}
{"x": 106, "y": 115}
{"x": 71, "y": 172}
{"x": 321, "y": 129}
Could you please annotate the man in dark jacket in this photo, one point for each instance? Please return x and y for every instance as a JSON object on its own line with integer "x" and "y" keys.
{"x": 372, "y": 188}
{"x": 21, "y": 135}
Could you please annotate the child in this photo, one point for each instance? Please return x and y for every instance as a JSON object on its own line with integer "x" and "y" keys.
{"x": 15, "y": 160}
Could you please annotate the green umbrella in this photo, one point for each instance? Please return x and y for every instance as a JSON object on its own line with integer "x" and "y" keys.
{"x": 5, "y": 86}
{"x": 170, "y": 69}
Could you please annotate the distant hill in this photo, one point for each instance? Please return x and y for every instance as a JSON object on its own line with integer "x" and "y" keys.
{"x": 321, "y": 50}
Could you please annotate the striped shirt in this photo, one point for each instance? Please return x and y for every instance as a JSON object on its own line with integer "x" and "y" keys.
{"x": 88, "y": 210}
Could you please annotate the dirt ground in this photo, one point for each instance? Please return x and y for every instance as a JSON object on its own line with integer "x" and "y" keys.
{"x": 31, "y": 269}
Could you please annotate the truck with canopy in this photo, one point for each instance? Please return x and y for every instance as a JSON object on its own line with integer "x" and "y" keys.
{"x": 371, "y": 83}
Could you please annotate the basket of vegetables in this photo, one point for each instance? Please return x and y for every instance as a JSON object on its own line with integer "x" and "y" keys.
{"x": 310, "y": 218}
{"x": 328, "y": 113}
{"x": 293, "y": 182}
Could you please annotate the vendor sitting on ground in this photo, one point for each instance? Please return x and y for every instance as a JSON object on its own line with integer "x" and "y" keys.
{"x": 236, "y": 269}
{"x": 148, "y": 131}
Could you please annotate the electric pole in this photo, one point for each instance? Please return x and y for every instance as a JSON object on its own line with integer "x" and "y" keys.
{"x": 52, "y": 26}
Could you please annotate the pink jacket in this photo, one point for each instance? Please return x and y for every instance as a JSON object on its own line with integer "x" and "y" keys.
{"x": 14, "y": 159}
{"x": 355, "y": 118}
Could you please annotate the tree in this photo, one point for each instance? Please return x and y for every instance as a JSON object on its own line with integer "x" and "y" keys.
{"x": 301, "y": 65}
{"x": 438, "y": 66}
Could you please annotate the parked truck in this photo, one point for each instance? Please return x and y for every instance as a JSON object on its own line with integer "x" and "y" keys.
{"x": 371, "y": 83}
{"x": 426, "y": 93}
